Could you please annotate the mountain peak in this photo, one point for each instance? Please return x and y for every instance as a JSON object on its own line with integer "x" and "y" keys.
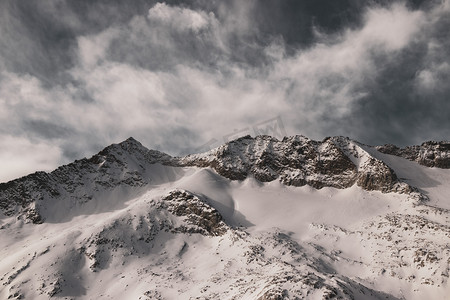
{"x": 125, "y": 166}
{"x": 132, "y": 149}
{"x": 130, "y": 141}
{"x": 129, "y": 145}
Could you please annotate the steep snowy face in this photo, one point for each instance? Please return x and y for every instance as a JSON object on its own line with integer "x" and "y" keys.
{"x": 430, "y": 154}
{"x": 126, "y": 166}
{"x": 335, "y": 162}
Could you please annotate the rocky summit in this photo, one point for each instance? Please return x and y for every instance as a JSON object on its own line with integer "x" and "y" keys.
{"x": 256, "y": 218}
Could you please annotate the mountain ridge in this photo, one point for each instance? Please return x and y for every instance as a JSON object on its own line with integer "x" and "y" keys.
{"x": 334, "y": 162}
{"x": 256, "y": 218}
{"x": 429, "y": 154}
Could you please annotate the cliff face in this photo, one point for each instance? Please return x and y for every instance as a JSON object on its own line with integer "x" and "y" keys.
{"x": 430, "y": 154}
{"x": 335, "y": 162}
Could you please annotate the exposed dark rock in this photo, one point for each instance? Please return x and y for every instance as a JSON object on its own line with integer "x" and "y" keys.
{"x": 274, "y": 295}
{"x": 296, "y": 161}
{"x": 197, "y": 211}
{"x": 379, "y": 177}
{"x": 430, "y": 154}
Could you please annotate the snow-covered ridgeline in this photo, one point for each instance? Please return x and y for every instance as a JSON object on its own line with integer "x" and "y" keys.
{"x": 257, "y": 218}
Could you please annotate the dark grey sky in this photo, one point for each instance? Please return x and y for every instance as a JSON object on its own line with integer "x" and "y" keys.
{"x": 76, "y": 76}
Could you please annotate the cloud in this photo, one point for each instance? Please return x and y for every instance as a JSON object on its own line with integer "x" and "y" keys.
{"x": 175, "y": 76}
{"x": 180, "y": 18}
{"x": 92, "y": 49}
{"x": 20, "y": 156}
{"x": 408, "y": 93}
{"x": 392, "y": 28}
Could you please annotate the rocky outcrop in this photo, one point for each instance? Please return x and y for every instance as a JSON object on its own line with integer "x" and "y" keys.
{"x": 430, "y": 154}
{"x": 300, "y": 161}
{"x": 378, "y": 176}
{"x": 178, "y": 212}
{"x": 204, "y": 218}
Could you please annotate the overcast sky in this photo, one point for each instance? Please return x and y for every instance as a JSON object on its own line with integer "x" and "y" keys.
{"x": 182, "y": 76}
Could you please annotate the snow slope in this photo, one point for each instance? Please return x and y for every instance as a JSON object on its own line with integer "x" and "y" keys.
{"x": 132, "y": 223}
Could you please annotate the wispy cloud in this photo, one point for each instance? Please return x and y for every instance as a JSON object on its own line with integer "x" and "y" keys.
{"x": 178, "y": 75}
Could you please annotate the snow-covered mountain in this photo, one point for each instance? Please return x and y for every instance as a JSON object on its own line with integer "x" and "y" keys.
{"x": 256, "y": 218}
